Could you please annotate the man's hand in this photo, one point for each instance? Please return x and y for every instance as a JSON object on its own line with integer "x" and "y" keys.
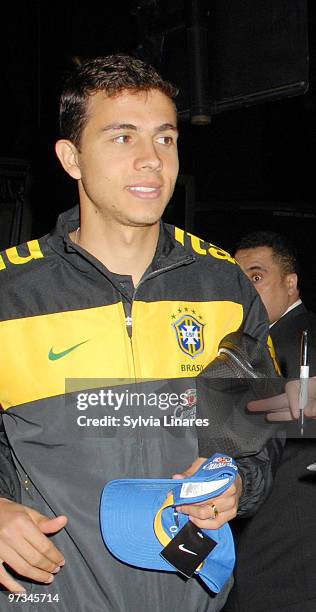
{"x": 202, "y": 514}
{"x": 285, "y": 407}
{"x": 25, "y": 547}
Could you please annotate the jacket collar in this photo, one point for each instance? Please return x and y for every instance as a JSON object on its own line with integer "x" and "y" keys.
{"x": 169, "y": 252}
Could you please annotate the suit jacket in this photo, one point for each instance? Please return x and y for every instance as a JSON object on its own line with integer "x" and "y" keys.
{"x": 276, "y": 549}
{"x": 286, "y": 336}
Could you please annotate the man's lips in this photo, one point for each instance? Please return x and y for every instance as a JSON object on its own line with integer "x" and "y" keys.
{"x": 145, "y": 190}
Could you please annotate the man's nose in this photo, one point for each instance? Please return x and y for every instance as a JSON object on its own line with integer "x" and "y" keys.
{"x": 147, "y": 156}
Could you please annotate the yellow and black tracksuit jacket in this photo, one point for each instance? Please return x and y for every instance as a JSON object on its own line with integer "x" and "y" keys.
{"x": 69, "y": 325}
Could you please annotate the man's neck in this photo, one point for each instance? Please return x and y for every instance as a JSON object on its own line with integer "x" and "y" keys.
{"x": 122, "y": 249}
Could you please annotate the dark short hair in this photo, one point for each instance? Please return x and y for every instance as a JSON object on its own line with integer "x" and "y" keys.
{"x": 112, "y": 75}
{"x": 283, "y": 252}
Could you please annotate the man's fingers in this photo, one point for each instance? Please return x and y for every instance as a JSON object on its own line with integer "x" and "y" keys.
{"x": 190, "y": 470}
{"x": 293, "y": 392}
{"x": 8, "y": 582}
{"x": 216, "y": 523}
{"x": 203, "y": 515}
{"x": 22, "y": 567}
{"x": 279, "y": 403}
{"x": 25, "y": 537}
{"x": 24, "y": 547}
{"x": 35, "y": 557}
{"x": 224, "y": 502}
{"x": 278, "y": 417}
{"x": 205, "y": 511}
{"x": 33, "y": 565}
{"x": 286, "y": 406}
{"x": 213, "y": 512}
{"x": 44, "y": 549}
{"x": 310, "y": 410}
{"x": 42, "y": 552}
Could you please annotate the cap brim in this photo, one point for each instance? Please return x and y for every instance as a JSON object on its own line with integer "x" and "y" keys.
{"x": 127, "y": 512}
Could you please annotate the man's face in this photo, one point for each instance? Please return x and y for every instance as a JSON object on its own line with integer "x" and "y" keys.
{"x": 128, "y": 160}
{"x": 277, "y": 291}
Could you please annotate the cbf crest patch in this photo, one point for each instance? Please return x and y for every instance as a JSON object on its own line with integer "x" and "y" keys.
{"x": 190, "y": 335}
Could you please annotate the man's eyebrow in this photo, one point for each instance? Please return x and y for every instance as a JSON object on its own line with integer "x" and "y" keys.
{"x": 131, "y": 126}
{"x": 256, "y": 267}
{"x": 119, "y": 126}
{"x": 166, "y": 126}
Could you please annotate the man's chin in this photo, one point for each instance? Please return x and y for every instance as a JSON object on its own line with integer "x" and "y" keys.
{"x": 143, "y": 221}
{"x": 147, "y": 223}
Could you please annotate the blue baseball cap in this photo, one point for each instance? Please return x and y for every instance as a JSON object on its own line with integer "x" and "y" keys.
{"x": 137, "y": 519}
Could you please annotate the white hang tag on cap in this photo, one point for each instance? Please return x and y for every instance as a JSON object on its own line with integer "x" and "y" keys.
{"x": 195, "y": 489}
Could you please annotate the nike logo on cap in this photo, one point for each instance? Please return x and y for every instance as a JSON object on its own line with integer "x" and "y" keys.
{"x": 182, "y": 547}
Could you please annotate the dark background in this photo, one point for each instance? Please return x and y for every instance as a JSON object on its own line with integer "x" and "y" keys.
{"x": 251, "y": 168}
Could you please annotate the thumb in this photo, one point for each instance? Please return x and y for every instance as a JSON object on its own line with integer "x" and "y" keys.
{"x": 191, "y": 469}
{"x": 52, "y": 525}
{"x": 46, "y": 524}
{"x": 293, "y": 394}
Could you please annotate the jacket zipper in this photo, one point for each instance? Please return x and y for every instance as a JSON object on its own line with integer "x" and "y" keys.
{"x": 246, "y": 368}
{"x": 129, "y": 318}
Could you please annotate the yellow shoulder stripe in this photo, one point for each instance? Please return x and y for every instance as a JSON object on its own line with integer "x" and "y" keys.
{"x": 16, "y": 259}
{"x": 202, "y": 247}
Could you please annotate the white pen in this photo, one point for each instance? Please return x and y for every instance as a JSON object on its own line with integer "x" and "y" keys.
{"x": 304, "y": 376}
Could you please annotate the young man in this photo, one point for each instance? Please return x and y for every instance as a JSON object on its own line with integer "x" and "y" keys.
{"x": 279, "y": 541}
{"x": 112, "y": 294}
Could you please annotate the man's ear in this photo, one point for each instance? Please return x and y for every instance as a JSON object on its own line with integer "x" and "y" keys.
{"x": 291, "y": 280}
{"x": 67, "y": 154}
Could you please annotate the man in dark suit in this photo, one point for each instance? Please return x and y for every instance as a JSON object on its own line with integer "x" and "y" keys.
{"x": 276, "y": 568}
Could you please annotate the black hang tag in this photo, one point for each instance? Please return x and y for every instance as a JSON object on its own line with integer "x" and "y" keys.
{"x": 188, "y": 549}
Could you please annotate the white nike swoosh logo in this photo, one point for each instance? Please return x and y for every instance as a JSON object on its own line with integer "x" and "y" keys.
{"x": 182, "y": 547}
